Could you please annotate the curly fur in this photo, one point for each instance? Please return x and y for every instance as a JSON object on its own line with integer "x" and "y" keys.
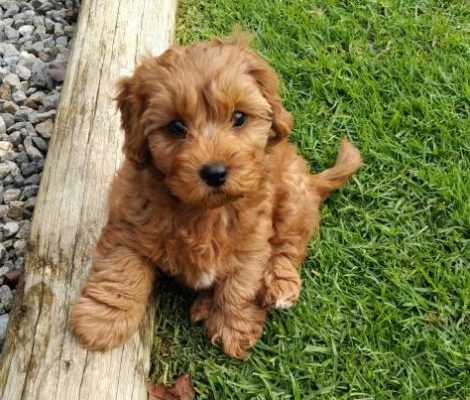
{"x": 240, "y": 245}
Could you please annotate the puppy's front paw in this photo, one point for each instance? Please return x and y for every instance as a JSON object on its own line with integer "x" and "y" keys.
{"x": 281, "y": 292}
{"x": 99, "y": 326}
{"x": 235, "y": 334}
{"x": 200, "y": 309}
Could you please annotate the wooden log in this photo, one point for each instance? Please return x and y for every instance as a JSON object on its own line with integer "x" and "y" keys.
{"x": 41, "y": 359}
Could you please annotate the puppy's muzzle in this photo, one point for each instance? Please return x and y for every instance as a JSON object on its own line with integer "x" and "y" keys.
{"x": 214, "y": 174}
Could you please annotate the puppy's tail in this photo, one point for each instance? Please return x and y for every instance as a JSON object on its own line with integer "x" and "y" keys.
{"x": 347, "y": 163}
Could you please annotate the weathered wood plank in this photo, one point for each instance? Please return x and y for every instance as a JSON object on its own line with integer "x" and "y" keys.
{"x": 40, "y": 358}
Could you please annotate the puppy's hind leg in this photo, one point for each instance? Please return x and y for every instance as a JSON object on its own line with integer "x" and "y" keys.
{"x": 113, "y": 300}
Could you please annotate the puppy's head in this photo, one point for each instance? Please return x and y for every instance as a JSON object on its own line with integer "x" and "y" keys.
{"x": 205, "y": 116}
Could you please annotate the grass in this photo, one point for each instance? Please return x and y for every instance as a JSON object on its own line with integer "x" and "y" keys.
{"x": 384, "y": 312}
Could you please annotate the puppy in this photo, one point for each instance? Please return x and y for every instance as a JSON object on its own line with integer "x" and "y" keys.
{"x": 211, "y": 193}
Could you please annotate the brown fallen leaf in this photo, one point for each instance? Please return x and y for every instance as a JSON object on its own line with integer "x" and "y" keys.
{"x": 182, "y": 389}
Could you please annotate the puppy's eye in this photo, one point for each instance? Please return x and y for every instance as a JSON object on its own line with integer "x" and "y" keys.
{"x": 238, "y": 118}
{"x": 177, "y": 128}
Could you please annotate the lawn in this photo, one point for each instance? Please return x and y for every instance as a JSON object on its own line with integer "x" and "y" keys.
{"x": 385, "y": 307}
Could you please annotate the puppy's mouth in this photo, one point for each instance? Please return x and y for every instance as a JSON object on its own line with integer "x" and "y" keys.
{"x": 219, "y": 197}
{"x": 201, "y": 195}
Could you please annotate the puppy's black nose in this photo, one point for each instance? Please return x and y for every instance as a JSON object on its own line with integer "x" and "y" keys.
{"x": 214, "y": 174}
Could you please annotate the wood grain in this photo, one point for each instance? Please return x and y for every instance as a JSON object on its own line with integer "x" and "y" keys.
{"x": 41, "y": 359}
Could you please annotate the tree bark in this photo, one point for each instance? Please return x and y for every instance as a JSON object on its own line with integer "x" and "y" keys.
{"x": 41, "y": 359}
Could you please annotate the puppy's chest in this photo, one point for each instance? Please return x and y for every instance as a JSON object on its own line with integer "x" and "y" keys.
{"x": 196, "y": 252}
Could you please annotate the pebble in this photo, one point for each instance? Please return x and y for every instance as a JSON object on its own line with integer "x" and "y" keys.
{"x": 45, "y": 128}
{"x": 3, "y": 127}
{"x": 4, "y": 170}
{"x": 10, "y": 229}
{"x": 11, "y": 195}
{"x": 10, "y": 107}
{"x": 36, "y": 117}
{"x": 16, "y": 210}
{"x": 19, "y": 97}
{"x": 12, "y": 277}
{"x": 12, "y": 80}
{"x": 23, "y": 72}
{"x": 6, "y": 296}
{"x": 34, "y": 40}
{"x": 3, "y": 326}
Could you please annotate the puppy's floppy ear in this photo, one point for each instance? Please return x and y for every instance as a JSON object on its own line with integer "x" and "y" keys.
{"x": 267, "y": 81}
{"x": 268, "y": 84}
{"x": 131, "y": 103}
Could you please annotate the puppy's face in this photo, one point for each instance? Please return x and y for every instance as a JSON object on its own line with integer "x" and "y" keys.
{"x": 204, "y": 116}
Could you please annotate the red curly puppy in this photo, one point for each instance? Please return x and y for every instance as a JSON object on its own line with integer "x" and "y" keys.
{"x": 210, "y": 193}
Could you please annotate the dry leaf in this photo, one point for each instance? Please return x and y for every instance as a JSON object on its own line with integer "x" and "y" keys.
{"x": 181, "y": 390}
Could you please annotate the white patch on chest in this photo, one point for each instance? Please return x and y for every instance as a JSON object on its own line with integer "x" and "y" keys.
{"x": 282, "y": 304}
{"x": 206, "y": 279}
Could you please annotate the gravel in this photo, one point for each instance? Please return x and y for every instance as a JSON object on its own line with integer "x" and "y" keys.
{"x": 34, "y": 46}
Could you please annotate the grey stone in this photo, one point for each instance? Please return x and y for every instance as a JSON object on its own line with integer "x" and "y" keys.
{"x": 27, "y": 59}
{"x": 19, "y": 97}
{"x": 16, "y": 127}
{"x": 19, "y": 263}
{"x": 9, "y": 264}
{"x": 6, "y": 297}
{"x": 3, "y": 73}
{"x": 40, "y": 143}
{"x": 26, "y": 30}
{"x": 4, "y": 170}
{"x": 3, "y": 326}
{"x": 8, "y": 50}
{"x": 29, "y": 204}
{"x": 28, "y": 168}
{"x": 38, "y": 20}
{"x": 21, "y": 158}
{"x": 23, "y": 233}
{"x": 36, "y": 117}
{"x": 10, "y": 229}
{"x": 3, "y": 127}
{"x": 51, "y": 101}
{"x": 11, "y": 11}
{"x": 46, "y": 6}
{"x": 8, "y": 119}
{"x": 14, "y": 169}
{"x": 20, "y": 246}
{"x": 11, "y": 195}
{"x": 69, "y": 30}
{"x": 16, "y": 210}
{"x": 12, "y": 80}
{"x": 23, "y": 72}
{"x": 3, "y": 270}
{"x": 40, "y": 76}
{"x": 32, "y": 152}
{"x": 62, "y": 41}
{"x": 23, "y": 113}
{"x": 31, "y": 190}
{"x": 3, "y": 210}
{"x": 11, "y": 34}
{"x": 58, "y": 31}
{"x": 18, "y": 181}
{"x": 32, "y": 180}
{"x": 45, "y": 128}
{"x": 15, "y": 138}
{"x": 26, "y": 17}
